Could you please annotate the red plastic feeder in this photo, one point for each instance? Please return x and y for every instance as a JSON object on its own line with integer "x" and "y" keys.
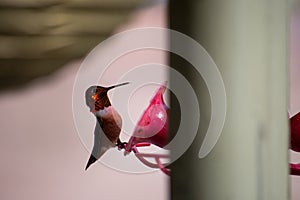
{"x": 295, "y": 141}
{"x": 152, "y": 129}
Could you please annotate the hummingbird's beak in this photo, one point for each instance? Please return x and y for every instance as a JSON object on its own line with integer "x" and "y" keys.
{"x": 118, "y": 85}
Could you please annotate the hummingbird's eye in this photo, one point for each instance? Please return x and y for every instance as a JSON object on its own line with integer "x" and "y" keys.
{"x": 94, "y": 97}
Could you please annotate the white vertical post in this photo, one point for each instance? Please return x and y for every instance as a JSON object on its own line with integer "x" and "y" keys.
{"x": 247, "y": 39}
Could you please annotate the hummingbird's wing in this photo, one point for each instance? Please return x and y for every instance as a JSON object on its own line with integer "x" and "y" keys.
{"x": 101, "y": 144}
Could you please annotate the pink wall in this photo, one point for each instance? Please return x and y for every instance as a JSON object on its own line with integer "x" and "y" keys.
{"x": 41, "y": 154}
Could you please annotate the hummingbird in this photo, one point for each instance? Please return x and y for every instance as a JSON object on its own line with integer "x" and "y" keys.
{"x": 108, "y": 124}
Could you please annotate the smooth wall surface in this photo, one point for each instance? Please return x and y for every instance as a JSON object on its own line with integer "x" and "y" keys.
{"x": 41, "y": 154}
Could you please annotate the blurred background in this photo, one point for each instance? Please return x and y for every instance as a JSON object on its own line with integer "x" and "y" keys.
{"x": 38, "y": 37}
{"x": 42, "y": 44}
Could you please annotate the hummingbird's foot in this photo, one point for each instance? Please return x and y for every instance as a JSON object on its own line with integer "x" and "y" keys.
{"x": 121, "y": 145}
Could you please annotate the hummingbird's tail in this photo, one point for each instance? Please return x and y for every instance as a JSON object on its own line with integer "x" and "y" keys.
{"x": 92, "y": 159}
{"x": 98, "y": 151}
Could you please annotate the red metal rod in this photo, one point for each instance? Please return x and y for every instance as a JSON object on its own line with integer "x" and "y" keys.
{"x": 162, "y": 167}
{"x": 157, "y": 157}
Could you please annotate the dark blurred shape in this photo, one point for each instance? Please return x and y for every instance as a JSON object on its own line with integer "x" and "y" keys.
{"x": 181, "y": 170}
{"x": 295, "y": 132}
{"x": 295, "y": 141}
{"x": 38, "y": 37}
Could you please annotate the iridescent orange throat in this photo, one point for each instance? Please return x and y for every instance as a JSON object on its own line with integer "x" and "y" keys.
{"x": 99, "y": 102}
